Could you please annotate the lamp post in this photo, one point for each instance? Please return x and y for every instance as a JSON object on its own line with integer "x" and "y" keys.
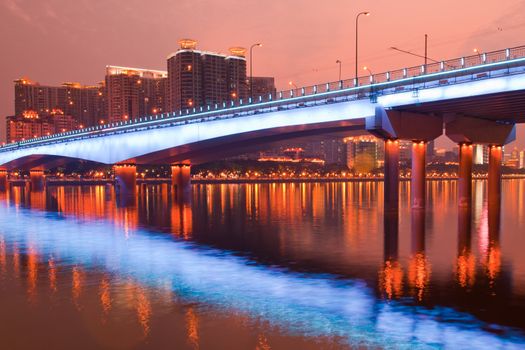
{"x": 357, "y": 39}
{"x": 340, "y": 64}
{"x": 370, "y": 73}
{"x": 292, "y": 84}
{"x": 251, "y": 68}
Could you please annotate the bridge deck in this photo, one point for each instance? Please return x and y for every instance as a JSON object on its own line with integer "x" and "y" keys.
{"x": 376, "y": 88}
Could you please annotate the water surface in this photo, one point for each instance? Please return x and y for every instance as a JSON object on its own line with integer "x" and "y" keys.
{"x": 261, "y": 266}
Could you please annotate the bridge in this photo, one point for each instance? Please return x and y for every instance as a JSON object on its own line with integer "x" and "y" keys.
{"x": 476, "y": 99}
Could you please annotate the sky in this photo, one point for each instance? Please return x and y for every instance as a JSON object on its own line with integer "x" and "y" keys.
{"x": 53, "y": 41}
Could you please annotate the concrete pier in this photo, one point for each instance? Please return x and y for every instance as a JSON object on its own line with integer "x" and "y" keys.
{"x": 391, "y": 189}
{"x": 37, "y": 178}
{"x": 3, "y": 180}
{"x": 125, "y": 179}
{"x": 465, "y": 175}
{"x": 418, "y": 183}
{"x": 494, "y": 178}
{"x": 181, "y": 177}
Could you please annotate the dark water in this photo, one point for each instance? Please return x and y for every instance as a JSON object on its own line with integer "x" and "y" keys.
{"x": 261, "y": 266}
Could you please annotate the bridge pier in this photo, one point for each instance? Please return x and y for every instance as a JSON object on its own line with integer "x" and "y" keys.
{"x": 465, "y": 175}
{"x": 400, "y": 125}
{"x": 494, "y": 180}
{"x": 466, "y": 131}
{"x": 391, "y": 186}
{"x": 181, "y": 177}
{"x": 37, "y": 179}
{"x": 125, "y": 179}
{"x": 3, "y": 180}
{"x": 418, "y": 180}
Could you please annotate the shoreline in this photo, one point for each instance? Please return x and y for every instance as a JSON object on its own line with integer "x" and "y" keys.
{"x": 201, "y": 181}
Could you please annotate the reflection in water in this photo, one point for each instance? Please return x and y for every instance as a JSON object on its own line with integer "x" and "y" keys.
{"x": 391, "y": 274}
{"x": 143, "y": 310}
{"x": 32, "y": 273}
{"x": 493, "y": 255}
{"x": 52, "y": 273}
{"x": 466, "y": 261}
{"x": 105, "y": 295}
{"x": 419, "y": 266}
{"x": 192, "y": 326}
{"x": 302, "y": 257}
{"x": 76, "y": 290}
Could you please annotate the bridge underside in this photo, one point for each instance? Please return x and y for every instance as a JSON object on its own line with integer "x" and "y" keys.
{"x": 506, "y": 107}
{"x": 204, "y": 151}
{"x": 210, "y": 150}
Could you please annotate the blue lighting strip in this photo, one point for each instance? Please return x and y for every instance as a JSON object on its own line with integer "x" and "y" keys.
{"x": 257, "y": 106}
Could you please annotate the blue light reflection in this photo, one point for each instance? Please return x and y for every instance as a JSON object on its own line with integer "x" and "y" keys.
{"x": 304, "y": 304}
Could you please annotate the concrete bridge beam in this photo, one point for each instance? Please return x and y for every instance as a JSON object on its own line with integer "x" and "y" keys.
{"x": 37, "y": 178}
{"x": 125, "y": 179}
{"x": 462, "y": 129}
{"x": 181, "y": 177}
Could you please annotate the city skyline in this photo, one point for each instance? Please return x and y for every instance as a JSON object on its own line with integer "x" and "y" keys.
{"x": 307, "y": 51}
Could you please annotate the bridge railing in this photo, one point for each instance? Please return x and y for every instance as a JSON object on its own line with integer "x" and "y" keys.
{"x": 362, "y": 87}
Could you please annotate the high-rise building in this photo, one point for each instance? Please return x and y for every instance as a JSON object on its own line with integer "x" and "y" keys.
{"x": 31, "y": 125}
{"x": 262, "y": 86}
{"x": 84, "y": 103}
{"x": 134, "y": 92}
{"x": 200, "y": 78}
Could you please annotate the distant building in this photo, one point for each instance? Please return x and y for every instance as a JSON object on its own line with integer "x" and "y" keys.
{"x": 431, "y": 145}
{"x": 200, "y": 78}
{"x": 134, "y": 92}
{"x": 84, "y": 103}
{"x": 405, "y": 151}
{"x": 262, "y": 86}
{"x": 31, "y": 125}
{"x": 363, "y": 153}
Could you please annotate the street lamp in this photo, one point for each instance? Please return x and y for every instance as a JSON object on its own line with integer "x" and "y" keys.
{"x": 251, "y": 67}
{"x": 357, "y": 38}
{"x": 291, "y": 83}
{"x": 340, "y": 63}
{"x": 370, "y": 73}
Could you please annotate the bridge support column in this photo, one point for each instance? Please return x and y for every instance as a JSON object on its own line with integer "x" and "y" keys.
{"x": 465, "y": 175}
{"x": 391, "y": 187}
{"x": 181, "y": 177}
{"x": 494, "y": 185}
{"x": 401, "y": 125}
{"x": 37, "y": 178}
{"x": 3, "y": 180}
{"x": 418, "y": 181}
{"x": 125, "y": 179}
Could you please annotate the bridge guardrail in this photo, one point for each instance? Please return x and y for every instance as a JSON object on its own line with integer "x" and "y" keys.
{"x": 369, "y": 86}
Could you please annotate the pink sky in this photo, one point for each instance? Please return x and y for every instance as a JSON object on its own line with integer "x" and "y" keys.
{"x": 52, "y": 41}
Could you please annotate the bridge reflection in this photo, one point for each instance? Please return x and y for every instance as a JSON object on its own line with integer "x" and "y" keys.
{"x": 331, "y": 207}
